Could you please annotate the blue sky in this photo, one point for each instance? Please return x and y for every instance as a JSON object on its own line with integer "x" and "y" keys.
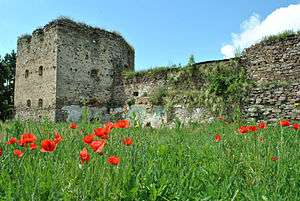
{"x": 162, "y": 32}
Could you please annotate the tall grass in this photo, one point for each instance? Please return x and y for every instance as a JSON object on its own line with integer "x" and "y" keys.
{"x": 162, "y": 164}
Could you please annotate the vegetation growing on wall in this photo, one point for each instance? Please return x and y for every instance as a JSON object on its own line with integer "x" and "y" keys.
{"x": 281, "y": 36}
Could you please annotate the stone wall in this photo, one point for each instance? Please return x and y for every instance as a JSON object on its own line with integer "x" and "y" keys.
{"x": 35, "y": 83}
{"x": 88, "y": 66}
{"x": 65, "y": 65}
{"x": 274, "y": 66}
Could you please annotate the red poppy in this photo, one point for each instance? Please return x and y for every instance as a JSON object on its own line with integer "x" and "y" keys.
{"x": 12, "y": 140}
{"x": 122, "y": 124}
{"x": 33, "y": 146}
{"x": 218, "y": 138}
{"x": 27, "y": 138}
{"x": 262, "y": 125}
{"x": 113, "y": 160}
{"x": 48, "y": 146}
{"x": 84, "y": 156}
{"x": 252, "y": 128}
{"x": 102, "y": 132}
{"x": 1, "y": 151}
{"x": 57, "y": 138}
{"x": 88, "y": 139}
{"x": 73, "y": 125}
{"x": 284, "y": 123}
{"x": 274, "y": 158}
{"x": 243, "y": 129}
{"x": 98, "y": 145}
{"x": 296, "y": 126}
{"x": 109, "y": 125}
{"x": 127, "y": 141}
{"x": 18, "y": 153}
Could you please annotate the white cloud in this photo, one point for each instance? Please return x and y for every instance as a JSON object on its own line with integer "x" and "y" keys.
{"x": 254, "y": 29}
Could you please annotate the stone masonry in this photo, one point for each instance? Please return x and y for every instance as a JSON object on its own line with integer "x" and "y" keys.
{"x": 67, "y": 64}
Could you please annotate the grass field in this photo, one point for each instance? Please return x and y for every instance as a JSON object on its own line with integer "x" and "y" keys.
{"x": 183, "y": 163}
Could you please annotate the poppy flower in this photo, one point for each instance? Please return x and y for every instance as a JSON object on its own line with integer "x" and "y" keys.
{"x": 98, "y": 145}
{"x": 262, "y": 125}
{"x": 109, "y": 125}
{"x": 84, "y": 156}
{"x": 18, "y": 153}
{"x": 48, "y": 146}
{"x": 102, "y": 132}
{"x": 1, "y": 151}
{"x": 296, "y": 126}
{"x": 73, "y": 125}
{"x": 12, "y": 140}
{"x": 217, "y": 138}
{"x": 27, "y": 138}
{"x": 88, "y": 139}
{"x": 127, "y": 141}
{"x": 243, "y": 129}
{"x": 33, "y": 146}
{"x": 122, "y": 124}
{"x": 113, "y": 160}
{"x": 57, "y": 138}
{"x": 252, "y": 128}
{"x": 284, "y": 123}
{"x": 274, "y": 158}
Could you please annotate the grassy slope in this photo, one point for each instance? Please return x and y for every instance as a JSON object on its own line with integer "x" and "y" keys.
{"x": 163, "y": 164}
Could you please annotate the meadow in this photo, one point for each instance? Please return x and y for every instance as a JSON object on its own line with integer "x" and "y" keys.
{"x": 217, "y": 161}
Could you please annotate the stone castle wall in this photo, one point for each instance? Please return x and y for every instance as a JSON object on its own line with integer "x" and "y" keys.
{"x": 35, "y": 87}
{"x": 88, "y": 64}
{"x": 275, "y": 68}
{"x": 80, "y": 65}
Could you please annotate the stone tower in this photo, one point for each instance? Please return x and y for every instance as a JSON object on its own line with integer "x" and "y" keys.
{"x": 65, "y": 63}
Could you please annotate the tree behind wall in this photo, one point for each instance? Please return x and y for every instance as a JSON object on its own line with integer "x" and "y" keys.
{"x": 7, "y": 78}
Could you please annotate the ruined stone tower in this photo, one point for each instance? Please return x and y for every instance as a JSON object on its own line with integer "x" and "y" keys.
{"x": 63, "y": 64}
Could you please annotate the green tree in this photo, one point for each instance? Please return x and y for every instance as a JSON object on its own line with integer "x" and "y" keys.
{"x": 191, "y": 60}
{"x": 7, "y": 78}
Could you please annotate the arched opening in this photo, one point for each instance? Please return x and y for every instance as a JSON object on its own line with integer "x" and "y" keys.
{"x": 40, "y": 103}
{"x": 40, "y": 70}
{"x": 28, "y": 103}
{"x": 26, "y": 73}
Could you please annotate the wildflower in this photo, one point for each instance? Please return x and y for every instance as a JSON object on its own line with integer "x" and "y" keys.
{"x": 84, "y": 156}
{"x": 113, "y": 160}
{"x": 48, "y": 146}
{"x": 252, "y": 128}
{"x": 12, "y": 140}
{"x": 296, "y": 126}
{"x": 127, "y": 141}
{"x": 73, "y": 125}
{"x": 243, "y": 129}
{"x": 109, "y": 125}
{"x": 88, "y": 139}
{"x": 262, "y": 125}
{"x": 98, "y": 145}
{"x": 33, "y": 146}
{"x": 122, "y": 124}
{"x": 18, "y": 153}
{"x": 284, "y": 123}
{"x": 274, "y": 158}
{"x": 217, "y": 138}
{"x": 57, "y": 138}
{"x": 1, "y": 151}
{"x": 102, "y": 132}
{"x": 27, "y": 138}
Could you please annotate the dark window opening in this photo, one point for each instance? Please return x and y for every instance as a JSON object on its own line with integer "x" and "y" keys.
{"x": 28, "y": 103}
{"x": 40, "y": 103}
{"x": 126, "y": 66}
{"x": 94, "y": 72}
{"x": 135, "y": 93}
{"x": 86, "y": 57}
{"x": 26, "y": 73}
{"x": 40, "y": 70}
